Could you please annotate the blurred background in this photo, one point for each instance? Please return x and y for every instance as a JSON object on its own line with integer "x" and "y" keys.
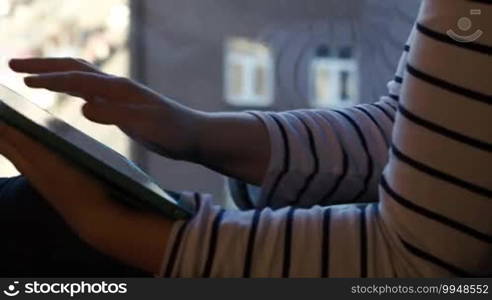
{"x": 211, "y": 55}
{"x": 95, "y": 30}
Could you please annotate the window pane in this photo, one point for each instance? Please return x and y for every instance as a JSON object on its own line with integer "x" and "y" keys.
{"x": 261, "y": 82}
{"x": 323, "y": 83}
{"x": 247, "y": 79}
{"x": 346, "y": 52}
{"x": 237, "y": 80}
{"x": 344, "y": 86}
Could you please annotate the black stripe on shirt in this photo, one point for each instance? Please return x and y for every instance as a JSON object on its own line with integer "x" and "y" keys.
{"x": 370, "y": 163}
{"x": 444, "y": 131}
{"x": 450, "y": 87}
{"x": 377, "y": 214}
{"x": 197, "y": 197}
{"x": 325, "y": 247}
{"x": 394, "y": 97}
{"x": 242, "y": 197}
{"x": 288, "y": 242}
{"x": 179, "y": 238}
{"x": 432, "y": 215}
{"x": 251, "y": 244}
{"x": 371, "y": 117}
{"x": 214, "y": 235}
{"x": 393, "y": 107}
{"x": 326, "y": 199}
{"x": 285, "y": 168}
{"x": 174, "y": 252}
{"x": 386, "y": 113}
{"x": 440, "y": 175}
{"x": 248, "y": 200}
{"x": 314, "y": 154}
{"x": 477, "y": 47}
{"x": 434, "y": 260}
{"x": 363, "y": 241}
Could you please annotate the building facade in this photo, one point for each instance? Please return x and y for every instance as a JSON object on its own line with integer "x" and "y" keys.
{"x": 276, "y": 55}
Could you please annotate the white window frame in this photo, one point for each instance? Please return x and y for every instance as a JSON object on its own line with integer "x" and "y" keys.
{"x": 334, "y": 67}
{"x": 250, "y": 60}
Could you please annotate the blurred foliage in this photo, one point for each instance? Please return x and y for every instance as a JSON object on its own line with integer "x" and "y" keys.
{"x": 95, "y": 30}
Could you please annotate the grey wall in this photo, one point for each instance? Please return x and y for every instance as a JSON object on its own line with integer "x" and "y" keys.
{"x": 179, "y": 52}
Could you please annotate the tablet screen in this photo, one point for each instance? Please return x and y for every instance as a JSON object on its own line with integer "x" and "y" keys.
{"x": 85, "y": 151}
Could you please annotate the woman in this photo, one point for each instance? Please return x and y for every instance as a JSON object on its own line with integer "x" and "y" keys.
{"x": 429, "y": 214}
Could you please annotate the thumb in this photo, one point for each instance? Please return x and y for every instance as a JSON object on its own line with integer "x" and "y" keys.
{"x": 109, "y": 114}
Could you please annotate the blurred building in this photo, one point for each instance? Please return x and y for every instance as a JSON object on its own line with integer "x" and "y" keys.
{"x": 212, "y": 55}
{"x": 275, "y": 55}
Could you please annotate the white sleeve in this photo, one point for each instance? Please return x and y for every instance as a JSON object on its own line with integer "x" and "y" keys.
{"x": 334, "y": 241}
{"x": 323, "y": 157}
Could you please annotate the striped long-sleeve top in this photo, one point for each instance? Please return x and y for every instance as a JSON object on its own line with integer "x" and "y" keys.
{"x": 398, "y": 188}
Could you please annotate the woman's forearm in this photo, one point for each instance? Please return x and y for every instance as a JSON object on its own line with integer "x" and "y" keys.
{"x": 234, "y": 144}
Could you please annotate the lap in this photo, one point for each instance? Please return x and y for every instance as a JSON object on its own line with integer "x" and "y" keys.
{"x": 36, "y": 242}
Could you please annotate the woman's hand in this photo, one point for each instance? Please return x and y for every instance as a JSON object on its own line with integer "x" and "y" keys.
{"x": 136, "y": 238}
{"x": 162, "y": 125}
{"x": 234, "y": 144}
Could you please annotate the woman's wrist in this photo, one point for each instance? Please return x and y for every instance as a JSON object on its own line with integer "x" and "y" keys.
{"x": 193, "y": 125}
{"x": 234, "y": 144}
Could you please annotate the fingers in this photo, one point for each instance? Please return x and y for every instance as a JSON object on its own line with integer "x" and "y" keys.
{"x": 9, "y": 149}
{"x": 51, "y": 65}
{"x": 21, "y": 163}
{"x": 23, "y": 151}
{"x": 85, "y": 85}
{"x": 86, "y": 206}
{"x": 76, "y": 195}
{"x": 79, "y": 78}
{"x": 100, "y": 113}
{"x": 45, "y": 169}
{"x": 17, "y": 145}
{"x": 107, "y": 113}
{"x": 13, "y": 155}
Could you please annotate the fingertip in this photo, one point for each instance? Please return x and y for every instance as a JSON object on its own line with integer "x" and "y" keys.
{"x": 33, "y": 82}
{"x": 13, "y": 63}
{"x": 88, "y": 111}
{"x": 94, "y": 113}
{"x": 29, "y": 80}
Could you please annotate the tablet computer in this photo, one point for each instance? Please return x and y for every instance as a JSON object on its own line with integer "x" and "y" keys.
{"x": 125, "y": 180}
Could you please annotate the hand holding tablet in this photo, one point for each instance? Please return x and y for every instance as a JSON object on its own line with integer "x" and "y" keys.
{"x": 125, "y": 179}
{"x": 136, "y": 237}
{"x": 161, "y": 124}
{"x": 83, "y": 179}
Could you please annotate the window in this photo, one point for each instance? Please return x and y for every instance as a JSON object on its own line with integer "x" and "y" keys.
{"x": 248, "y": 75}
{"x": 334, "y": 78}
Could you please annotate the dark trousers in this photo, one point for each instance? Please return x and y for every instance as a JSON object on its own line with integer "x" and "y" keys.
{"x": 36, "y": 242}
